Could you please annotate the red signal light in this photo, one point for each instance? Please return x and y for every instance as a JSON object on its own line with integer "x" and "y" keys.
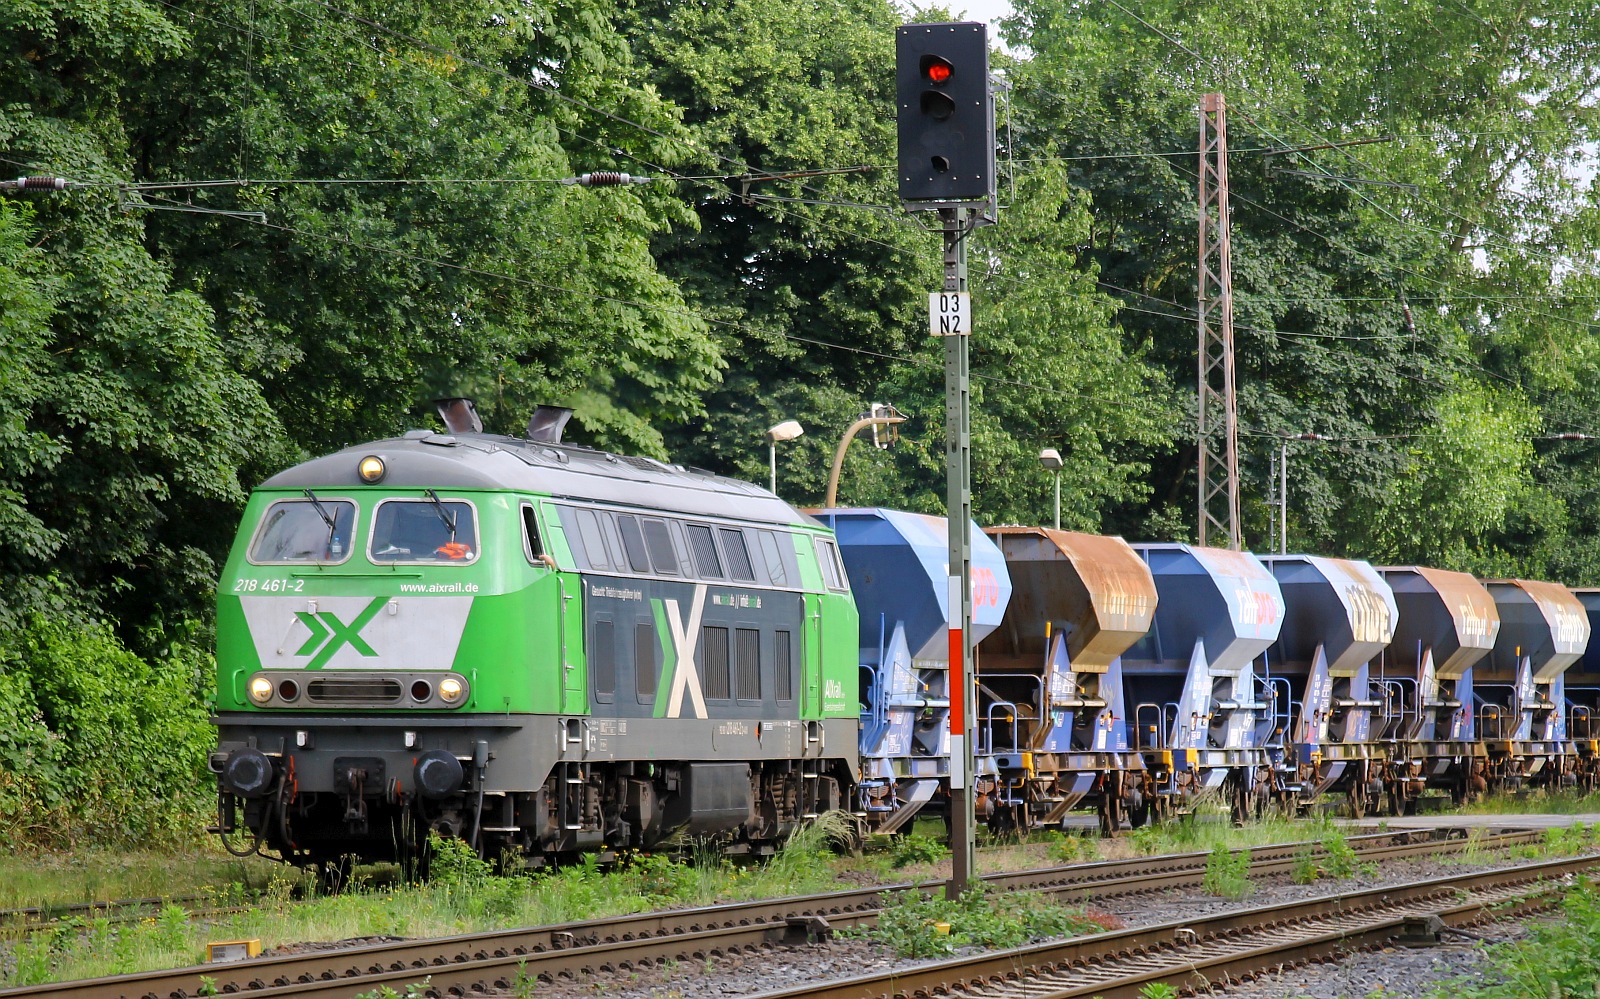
{"x": 937, "y": 69}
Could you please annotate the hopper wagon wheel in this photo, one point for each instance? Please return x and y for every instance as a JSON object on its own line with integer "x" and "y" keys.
{"x": 1141, "y": 814}
{"x": 1358, "y": 799}
{"x": 1160, "y": 808}
{"x": 1238, "y": 799}
{"x": 1110, "y": 809}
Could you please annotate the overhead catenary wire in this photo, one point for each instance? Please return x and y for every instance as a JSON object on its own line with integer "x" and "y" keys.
{"x": 704, "y": 181}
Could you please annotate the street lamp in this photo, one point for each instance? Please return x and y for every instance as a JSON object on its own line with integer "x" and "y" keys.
{"x": 1283, "y": 484}
{"x": 788, "y": 430}
{"x": 1050, "y": 458}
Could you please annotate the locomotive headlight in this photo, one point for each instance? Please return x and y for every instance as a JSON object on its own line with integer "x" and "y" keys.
{"x": 260, "y": 689}
{"x": 371, "y": 469}
{"x": 450, "y": 689}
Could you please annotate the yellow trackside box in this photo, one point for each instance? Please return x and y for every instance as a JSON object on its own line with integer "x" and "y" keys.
{"x": 223, "y": 951}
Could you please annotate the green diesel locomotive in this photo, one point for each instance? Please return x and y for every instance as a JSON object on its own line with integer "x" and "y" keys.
{"x": 531, "y": 645}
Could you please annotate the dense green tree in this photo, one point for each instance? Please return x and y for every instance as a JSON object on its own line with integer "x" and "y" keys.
{"x": 822, "y": 280}
{"x": 127, "y": 426}
{"x": 415, "y": 242}
{"x": 1423, "y": 321}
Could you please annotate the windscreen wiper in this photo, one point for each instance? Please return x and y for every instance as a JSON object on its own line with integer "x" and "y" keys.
{"x": 321, "y": 511}
{"x": 444, "y": 515}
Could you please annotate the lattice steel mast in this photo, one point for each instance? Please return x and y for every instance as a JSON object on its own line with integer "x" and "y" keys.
{"x": 1217, "y": 412}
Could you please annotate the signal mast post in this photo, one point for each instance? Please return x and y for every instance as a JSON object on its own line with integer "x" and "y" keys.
{"x": 958, "y": 507}
{"x": 945, "y": 113}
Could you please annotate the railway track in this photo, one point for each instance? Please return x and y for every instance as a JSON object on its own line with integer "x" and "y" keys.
{"x": 473, "y": 963}
{"x": 1199, "y": 955}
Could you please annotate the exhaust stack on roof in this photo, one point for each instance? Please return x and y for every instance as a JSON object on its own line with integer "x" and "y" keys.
{"x": 548, "y": 423}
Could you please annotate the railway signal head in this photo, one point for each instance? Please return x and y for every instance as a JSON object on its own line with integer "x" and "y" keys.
{"x": 945, "y": 111}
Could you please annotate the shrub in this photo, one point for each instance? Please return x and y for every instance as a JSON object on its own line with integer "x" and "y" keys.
{"x": 97, "y": 745}
{"x": 911, "y": 922}
{"x": 1228, "y": 873}
{"x": 914, "y": 849}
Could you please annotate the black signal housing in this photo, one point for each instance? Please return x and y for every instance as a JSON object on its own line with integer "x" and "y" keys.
{"x": 945, "y": 112}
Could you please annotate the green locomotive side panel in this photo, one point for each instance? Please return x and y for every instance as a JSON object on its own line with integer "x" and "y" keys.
{"x": 556, "y": 544}
{"x": 806, "y": 553}
{"x": 840, "y": 671}
{"x": 513, "y": 648}
{"x": 832, "y": 623}
{"x": 236, "y": 655}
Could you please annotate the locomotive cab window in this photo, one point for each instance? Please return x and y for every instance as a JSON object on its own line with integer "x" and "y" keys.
{"x": 305, "y": 530}
{"x": 532, "y": 541}
{"x": 429, "y": 530}
{"x": 832, "y": 569}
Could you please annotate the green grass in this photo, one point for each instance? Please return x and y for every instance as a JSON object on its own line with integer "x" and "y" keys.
{"x": 1535, "y": 802}
{"x": 1202, "y": 834}
{"x": 102, "y": 875}
{"x": 1557, "y": 958}
{"x": 918, "y": 926}
{"x": 465, "y": 896}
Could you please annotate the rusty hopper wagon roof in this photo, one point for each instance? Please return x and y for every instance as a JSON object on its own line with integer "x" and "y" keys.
{"x": 1449, "y": 613}
{"x": 1543, "y": 621}
{"x": 1095, "y": 588}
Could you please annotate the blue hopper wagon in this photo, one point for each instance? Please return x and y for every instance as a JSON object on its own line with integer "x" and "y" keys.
{"x": 1339, "y": 616}
{"x": 1194, "y": 698}
{"x": 899, "y": 572}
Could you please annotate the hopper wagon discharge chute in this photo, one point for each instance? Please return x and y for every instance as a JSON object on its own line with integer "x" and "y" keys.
{"x": 1520, "y": 692}
{"x": 1052, "y": 714}
{"x": 1193, "y": 698}
{"x": 1448, "y": 623}
{"x": 1339, "y": 615}
{"x": 898, "y": 564}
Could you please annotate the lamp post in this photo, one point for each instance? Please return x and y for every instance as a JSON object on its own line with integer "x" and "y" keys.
{"x": 1283, "y": 485}
{"x": 788, "y": 430}
{"x": 1050, "y": 458}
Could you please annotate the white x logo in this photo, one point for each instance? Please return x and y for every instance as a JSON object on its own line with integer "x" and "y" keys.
{"x": 684, "y": 639}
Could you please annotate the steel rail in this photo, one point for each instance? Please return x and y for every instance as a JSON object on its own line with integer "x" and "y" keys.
{"x": 624, "y": 943}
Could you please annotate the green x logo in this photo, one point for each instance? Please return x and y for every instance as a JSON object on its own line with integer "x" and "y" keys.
{"x": 332, "y": 634}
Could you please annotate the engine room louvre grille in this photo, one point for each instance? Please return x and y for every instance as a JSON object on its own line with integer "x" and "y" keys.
{"x": 644, "y": 463}
{"x": 354, "y": 690}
